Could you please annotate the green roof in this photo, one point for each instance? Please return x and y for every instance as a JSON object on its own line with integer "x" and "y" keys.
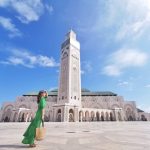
{"x": 101, "y": 93}
{"x": 85, "y": 92}
{"x": 54, "y": 90}
{"x": 139, "y": 110}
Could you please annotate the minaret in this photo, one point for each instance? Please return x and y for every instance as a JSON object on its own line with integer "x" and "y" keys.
{"x": 69, "y": 91}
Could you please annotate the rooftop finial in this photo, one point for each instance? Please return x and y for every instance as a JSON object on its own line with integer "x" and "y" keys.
{"x": 71, "y": 34}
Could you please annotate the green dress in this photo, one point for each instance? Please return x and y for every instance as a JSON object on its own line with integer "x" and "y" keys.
{"x": 29, "y": 135}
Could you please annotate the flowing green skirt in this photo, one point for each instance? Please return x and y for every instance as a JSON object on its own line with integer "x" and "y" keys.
{"x": 30, "y": 133}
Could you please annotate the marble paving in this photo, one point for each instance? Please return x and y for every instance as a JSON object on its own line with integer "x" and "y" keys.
{"x": 81, "y": 136}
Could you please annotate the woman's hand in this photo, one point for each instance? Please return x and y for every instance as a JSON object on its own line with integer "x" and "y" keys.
{"x": 46, "y": 94}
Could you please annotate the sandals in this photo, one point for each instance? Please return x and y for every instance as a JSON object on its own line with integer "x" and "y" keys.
{"x": 32, "y": 145}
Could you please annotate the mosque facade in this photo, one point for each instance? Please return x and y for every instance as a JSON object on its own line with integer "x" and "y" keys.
{"x": 70, "y": 103}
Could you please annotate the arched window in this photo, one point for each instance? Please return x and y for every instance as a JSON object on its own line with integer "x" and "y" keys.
{"x": 107, "y": 116}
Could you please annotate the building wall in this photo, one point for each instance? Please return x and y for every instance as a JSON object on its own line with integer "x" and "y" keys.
{"x": 129, "y": 111}
{"x": 93, "y": 108}
{"x": 143, "y": 116}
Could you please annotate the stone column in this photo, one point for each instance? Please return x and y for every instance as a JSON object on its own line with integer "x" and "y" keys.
{"x": 81, "y": 118}
{"x": 1, "y": 115}
{"x": 76, "y": 114}
{"x": 65, "y": 114}
{"x": 115, "y": 115}
{"x": 26, "y": 120}
{"x": 53, "y": 113}
{"x": 11, "y": 117}
{"x": 122, "y": 115}
{"x": 18, "y": 117}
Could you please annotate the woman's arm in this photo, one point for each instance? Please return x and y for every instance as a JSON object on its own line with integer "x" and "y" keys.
{"x": 46, "y": 95}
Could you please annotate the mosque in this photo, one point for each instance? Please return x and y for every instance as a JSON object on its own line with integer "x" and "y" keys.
{"x": 70, "y": 103}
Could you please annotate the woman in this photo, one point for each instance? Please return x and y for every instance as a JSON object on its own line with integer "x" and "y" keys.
{"x": 30, "y": 133}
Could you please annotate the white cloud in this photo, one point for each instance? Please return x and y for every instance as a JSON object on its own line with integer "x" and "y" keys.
{"x": 144, "y": 108}
{"x": 129, "y": 57}
{"x": 57, "y": 71}
{"x": 112, "y": 70}
{"x": 147, "y": 86}
{"x": 126, "y": 19}
{"x": 147, "y": 109}
{"x": 87, "y": 66}
{"x": 122, "y": 59}
{"x": 24, "y": 58}
{"x": 4, "y": 3}
{"x": 134, "y": 29}
{"x": 7, "y": 24}
{"x": 123, "y": 83}
{"x": 49, "y": 8}
{"x": 82, "y": 72}
{"x": 45, "y": 61}
{"x": 127, "y": 85}
{"x": 132, "y": 19}
{"x": 28, "y": 10}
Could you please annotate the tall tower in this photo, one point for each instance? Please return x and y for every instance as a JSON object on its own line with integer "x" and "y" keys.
{"x": 70, "y": 78}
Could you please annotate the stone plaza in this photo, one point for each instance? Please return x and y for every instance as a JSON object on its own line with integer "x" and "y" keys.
{"x": 81, "y": 136}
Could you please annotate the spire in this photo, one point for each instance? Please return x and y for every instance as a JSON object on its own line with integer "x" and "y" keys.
{"x": 71, "y": 34}
{"x": 70, "y": 38}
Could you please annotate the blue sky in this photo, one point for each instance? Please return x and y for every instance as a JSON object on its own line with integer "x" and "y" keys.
{"x": 114, "y": 37}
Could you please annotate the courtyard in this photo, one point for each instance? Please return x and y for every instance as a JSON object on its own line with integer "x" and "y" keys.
{"x": 81, "y": 136}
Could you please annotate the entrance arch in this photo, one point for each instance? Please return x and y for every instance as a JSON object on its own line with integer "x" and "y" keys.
{"x": 102, "y": 116}
{"x": 80, "y": 116}
{"x": 6, "y": 119}
{"x": 92, "y": 116}
{"x": 58, "y": 117}
{"x": 71, "y": 115}
{"x": 23, "y": 117}
{"x": 143, "y": 118}
{"x": 129, "y": 114}
{"x": 111, "y": 117}
{"x": 7, "y": 115}
{"x": 97, "y": 116}
{"x": 46, "y": 118}
{"x": 86, "y": 116}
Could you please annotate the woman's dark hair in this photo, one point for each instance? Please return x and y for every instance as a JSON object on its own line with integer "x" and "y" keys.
{"x": 40, "y": 95}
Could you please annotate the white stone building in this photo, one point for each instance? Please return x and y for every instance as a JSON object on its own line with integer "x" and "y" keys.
{"x": 70, "y": 103}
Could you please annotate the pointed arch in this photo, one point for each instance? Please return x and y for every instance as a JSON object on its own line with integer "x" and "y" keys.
{"x": 71, "y": 115}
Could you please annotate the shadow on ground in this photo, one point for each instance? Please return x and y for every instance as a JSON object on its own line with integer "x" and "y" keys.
{"x": 13, "y": 146}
